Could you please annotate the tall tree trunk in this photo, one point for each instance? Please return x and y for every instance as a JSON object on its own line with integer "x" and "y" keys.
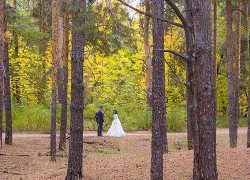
{"x": 231, "y": 77}
{"x": 16, "y": 82}
{"x": 237, "y": 78}
{"x": 60, "y": 55}
{"x": 205, "y": 90}
{"x": 76, "y": 123}
{"x": 158, "y": 96}
{"x": 193, "y": 130}
{"x": 54, "y": 6}
{"x": 147, "y": 55}
{"x": 248, "y": 56}
{"x": 3, "y": 40}
{"x": 63, "y": 128}
{"x": 7, "y": 96}
{"x": 191, "y": 124}
{"x": 215, "y": 43}
{"x": 42, "y": 49}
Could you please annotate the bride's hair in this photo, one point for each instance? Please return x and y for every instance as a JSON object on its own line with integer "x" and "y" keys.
{"x": 115, "y": 112}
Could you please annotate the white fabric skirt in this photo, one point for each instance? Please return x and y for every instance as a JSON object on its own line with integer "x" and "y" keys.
{"x": 116, "y": 129}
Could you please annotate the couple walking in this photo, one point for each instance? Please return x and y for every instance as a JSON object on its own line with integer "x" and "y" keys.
{"x": 115, "y": 130}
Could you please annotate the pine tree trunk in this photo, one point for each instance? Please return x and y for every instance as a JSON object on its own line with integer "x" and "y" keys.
{"x": 148, "y": 56}
{"x": 158, "y": 145}
{"x": 54, "y": 6}
{"x": 193, "y": 133}
{"x": 205, "y": 90}
{"x": 76, "y": 123}
{"x": 237, "y": 78}
{"x": 42, "y": 49}
{"x": 63, "y": 128}
{"x": 60, "y": 55}
{"x": 215, "y": 50}
{"x": 3, "y": 29}
{"x": 16, "y": 82}
{"x": 7, "y": 96}
{"x": 215, "y": 43}
{"x": 189, "y": 80}
{"x": 248, "y": 56}
{"x": 231, "y": 77}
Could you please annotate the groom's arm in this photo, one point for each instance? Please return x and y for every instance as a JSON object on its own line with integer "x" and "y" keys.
{"x": 102, "y": 115}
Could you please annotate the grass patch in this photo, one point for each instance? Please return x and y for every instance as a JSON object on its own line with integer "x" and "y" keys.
{"x": 101, "y": 150}
{"x": 222, "y": 121}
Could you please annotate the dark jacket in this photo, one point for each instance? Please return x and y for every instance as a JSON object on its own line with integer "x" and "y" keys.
{"x": 100, "y": 116}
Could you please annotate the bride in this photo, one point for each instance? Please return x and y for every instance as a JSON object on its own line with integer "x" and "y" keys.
{"x": 116, "y": 128}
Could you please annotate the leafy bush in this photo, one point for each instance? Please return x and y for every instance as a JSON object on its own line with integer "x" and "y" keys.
{"x": 176, "y": 119}
{"x": 30, "y": 117}
{"x": 132, "y": 116}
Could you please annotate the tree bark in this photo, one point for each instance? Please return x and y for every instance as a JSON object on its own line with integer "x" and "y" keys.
{"x": 16, "y": 82}
{"x": 231, "y": 77}
{"x": 248, "y": 56}
{"x": 54, "y": 6}
{"x": 237, "y": 78}
{"x": 42, "y": 49}
{"x": 60, "y": 55}
{"x": 76, "y": 124}
{"x": 193, "y": 131}
{"x": 159, "y": 141}
{"x": 3, "y": 39}
{"x": 63, "y": 128}
{"x": 7, "y": 96}
{"x": 215, "y": 43}
{"x": 190, "y": 78}
{"x": 205, "y": 91}
{"x": 148, "y": 55}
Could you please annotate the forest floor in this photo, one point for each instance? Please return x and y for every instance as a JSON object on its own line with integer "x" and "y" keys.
{"x": 126, "y": 158}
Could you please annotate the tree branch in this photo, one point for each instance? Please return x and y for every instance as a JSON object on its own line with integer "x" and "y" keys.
{"x": 178, "y": 13}
{"x": 237, "y": 9}
{"x": 151, "y": 16}
{"x": 186, "y": 22}
{"x": 186, "y": 58}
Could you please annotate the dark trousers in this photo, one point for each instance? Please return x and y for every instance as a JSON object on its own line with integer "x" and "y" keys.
{"x": 100, "y": 127}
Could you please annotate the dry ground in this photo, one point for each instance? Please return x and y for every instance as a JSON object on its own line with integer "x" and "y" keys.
{"x": 125, "y": 158}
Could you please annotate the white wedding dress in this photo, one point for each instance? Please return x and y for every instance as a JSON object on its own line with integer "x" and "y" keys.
{"x": 116, "y": 128}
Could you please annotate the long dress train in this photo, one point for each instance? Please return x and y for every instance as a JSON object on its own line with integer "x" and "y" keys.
{"x": 116, "y": 129}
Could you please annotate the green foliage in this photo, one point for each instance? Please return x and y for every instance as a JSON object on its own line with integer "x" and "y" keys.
{"x": 176, "y": 119}
{"x": 132, "y": 116}
{"x": 222, "y": 121}
{"x": 114, "y": 68}
{"x": 30, "y": 117}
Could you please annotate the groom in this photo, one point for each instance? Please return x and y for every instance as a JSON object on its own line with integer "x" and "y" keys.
{"x": 100, "y": 121}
